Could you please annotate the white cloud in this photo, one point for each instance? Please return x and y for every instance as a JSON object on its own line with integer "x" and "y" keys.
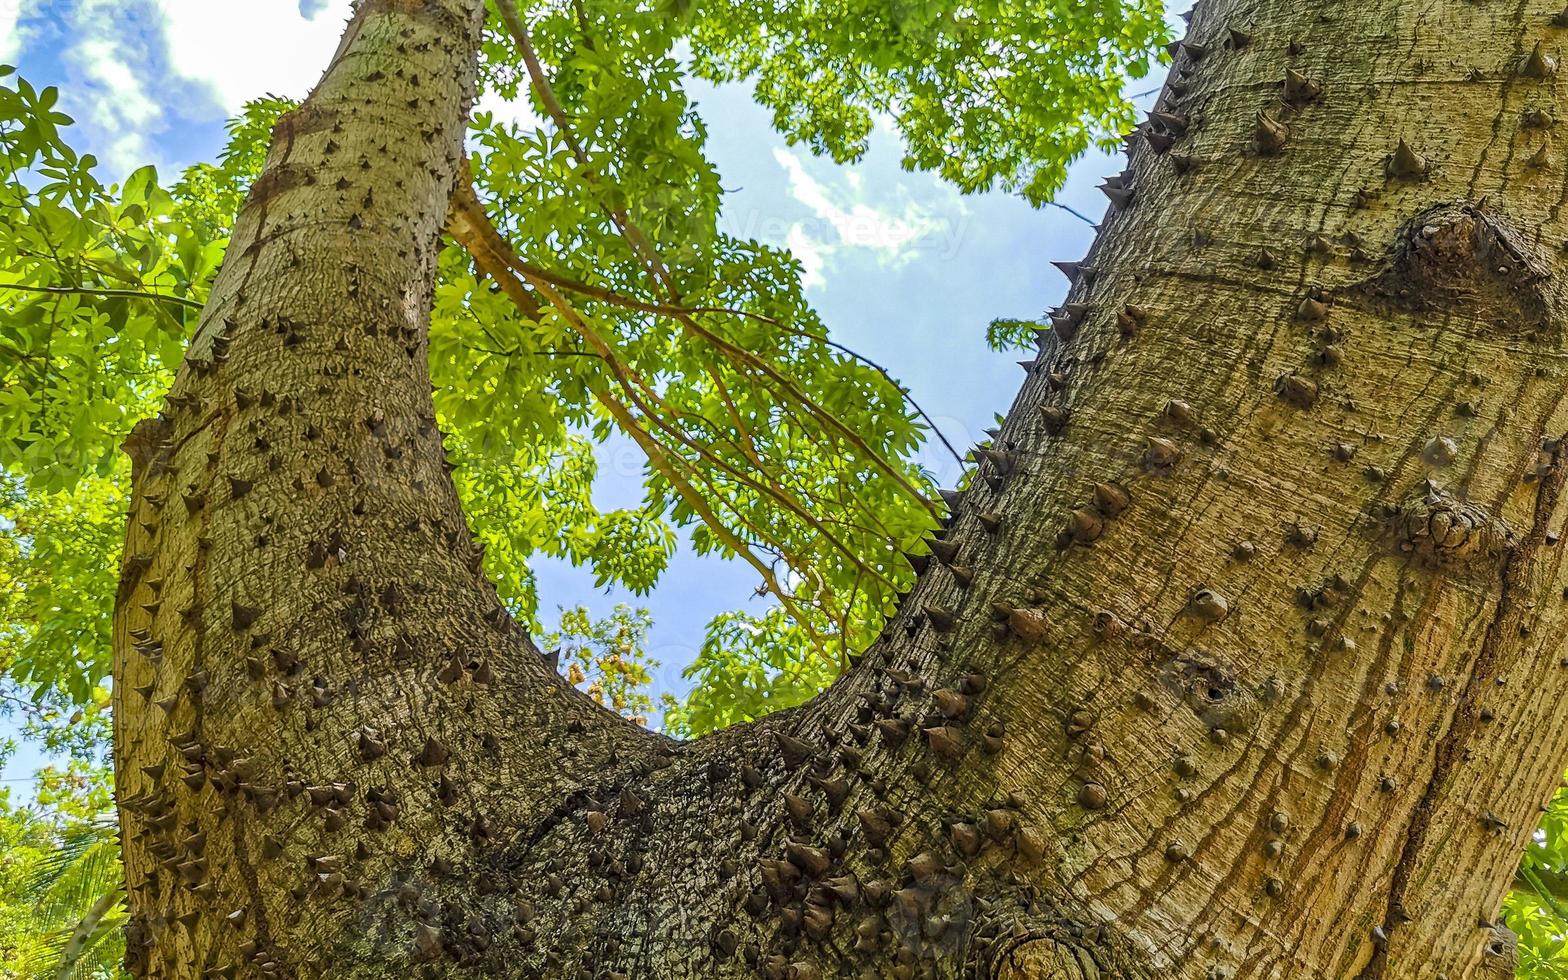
{"x": 136, "y": 68}
{"x": 112, "y": 88}
{"x": 241, "y": 51}
{"x": 857, "y": 223}
{"x": 104, "y": 63}
{"x": 10, "y": 30}
{"x": 811, "y": 253}
{"x": 850, "y": 221}
{"x": 518, "y": 111}
{"x": 139, "y": 66}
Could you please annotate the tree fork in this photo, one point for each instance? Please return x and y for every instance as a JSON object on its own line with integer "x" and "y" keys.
{"x": 1238, "y": 658}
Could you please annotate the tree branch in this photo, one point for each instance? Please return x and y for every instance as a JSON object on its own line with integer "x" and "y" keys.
{"x": 107, "y": 293}
{"x": 473, "y": 228}
{"x": 1077, "y": 214}
{"x": 1550, "y": 887}
{"x": 666, "y": 309}
{"x": 610, "y": 296}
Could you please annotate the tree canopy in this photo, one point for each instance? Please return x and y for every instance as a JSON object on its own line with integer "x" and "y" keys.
{"x": 643, "y": 317}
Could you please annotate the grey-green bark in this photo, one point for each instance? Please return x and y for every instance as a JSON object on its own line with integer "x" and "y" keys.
{"x": 1239, "y": 658}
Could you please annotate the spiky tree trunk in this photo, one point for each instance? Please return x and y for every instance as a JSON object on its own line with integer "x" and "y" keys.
{"x": 1240, "y": 658}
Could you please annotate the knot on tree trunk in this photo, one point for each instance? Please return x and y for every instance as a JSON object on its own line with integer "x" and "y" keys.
{"x": 1500, "y": 960}
{"x": 1038, "y": 958}
{"x": 1442, "y": 529}
{"x": 1212, "y": 693}
{"x": 149, "y": 439}
{"x": 1462, "y": 257}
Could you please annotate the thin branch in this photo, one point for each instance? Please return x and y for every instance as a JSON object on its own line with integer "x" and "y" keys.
{"x": 1540, "y": 889}
{"x": 20, "y": 354}
{"x": 563, "y": 123}
{"x": 763, "y": 489}
{"x": 621, "y": 372}
{"x": 81, "y": 936}
{"x": 19, "y": 704}
{"x": 665, "y": 309}
{"x": 552, "y": 107}
{"x": 662, "y": 462}
{"x": 616, "y": 299}
{"x": 868, "y": 362}
{"x": 1077, "y": 214}
{"x": 107, "y": 293}
{"x": 741, "y": 355}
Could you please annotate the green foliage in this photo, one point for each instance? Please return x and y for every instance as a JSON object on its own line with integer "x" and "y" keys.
{"x": 60, "y": 882}
{"x": 607, "y": 658}
{"x": 58, "y": 555}
{"x": 80, "y": 368}
{"x": 996, "y": 92}
{"x": 1537, "y": 908}
{"x": 1006, "y": 334}
{"x": 752, "y": 423}
{"x": 747, "y": 668}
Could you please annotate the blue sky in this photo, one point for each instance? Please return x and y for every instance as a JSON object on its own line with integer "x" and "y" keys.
{"x": 901, "y": 267}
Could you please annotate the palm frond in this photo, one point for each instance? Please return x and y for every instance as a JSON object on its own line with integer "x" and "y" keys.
{"x": 77, "y": 893}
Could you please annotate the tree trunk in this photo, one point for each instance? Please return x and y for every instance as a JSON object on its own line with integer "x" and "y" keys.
{"x": 1250, "y": 667}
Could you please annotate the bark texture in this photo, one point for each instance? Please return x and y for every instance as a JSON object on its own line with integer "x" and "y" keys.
{"x": 1241, "y": 657}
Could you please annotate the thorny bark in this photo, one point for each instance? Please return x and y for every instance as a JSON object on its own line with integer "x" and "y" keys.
{"x": 1241, "y": 657}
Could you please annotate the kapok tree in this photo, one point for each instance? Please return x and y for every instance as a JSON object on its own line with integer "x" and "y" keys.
{"x": 1238, "y": 657}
